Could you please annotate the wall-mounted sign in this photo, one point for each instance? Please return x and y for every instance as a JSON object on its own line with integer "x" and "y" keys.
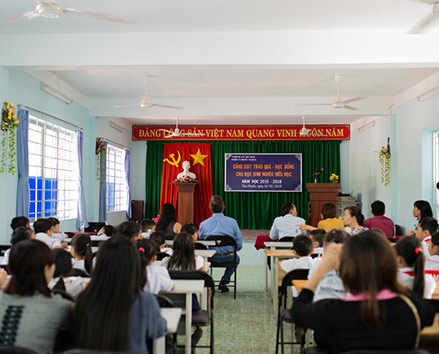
{"x": 266, "y": 132}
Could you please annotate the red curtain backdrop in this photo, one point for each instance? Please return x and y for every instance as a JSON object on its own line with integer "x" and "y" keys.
{"x": 203, "y": 191}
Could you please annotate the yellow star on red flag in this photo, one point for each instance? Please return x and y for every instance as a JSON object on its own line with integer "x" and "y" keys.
{"x": 198, "y": 158}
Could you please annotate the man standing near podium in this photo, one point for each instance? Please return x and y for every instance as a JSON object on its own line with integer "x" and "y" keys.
{"x": 219, "y": 224}
{"x": 287, "y": 224}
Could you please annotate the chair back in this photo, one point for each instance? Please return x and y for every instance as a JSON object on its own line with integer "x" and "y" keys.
{"x": 222, "y": 240}
{"x": 200, "y": 246}
{"x": 434, "y": 303}
{"x": 15, "y": 350}
{"x": 162, "y": 255}
{"x": 287, "y": 239}
{"x": 164, "y": 301}
{"x": 287, "y": 280}
{"x": 194, "y": 274}
{"x": 75, "y": 272}
{"x": 391, "y": 240}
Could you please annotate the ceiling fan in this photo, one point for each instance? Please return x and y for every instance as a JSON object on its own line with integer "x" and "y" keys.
{"x": 177, "y": 134}
{"x": 50, "y": 9}
{"x": 428, "y": 20}
{"x": 338, "y": 102}
{"x": 307, "y": 132}
{"x": 146, "y": 101}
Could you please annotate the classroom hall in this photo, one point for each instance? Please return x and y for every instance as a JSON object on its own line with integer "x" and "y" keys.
{"x": 371, "y": 66}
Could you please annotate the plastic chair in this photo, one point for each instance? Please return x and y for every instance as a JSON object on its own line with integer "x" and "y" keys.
{"x": 221, "y": 241}
{"x": 283, "y": 314}
{"x": 287, "y": 239}
{"x": 201, "y": 319}
{"x": 200, "y": 246}
{"x": 166, "y": 302}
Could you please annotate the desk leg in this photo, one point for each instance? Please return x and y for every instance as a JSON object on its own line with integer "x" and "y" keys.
{"x": 274, "y": 284}
{"x": 188, "y": 327}
{"x": 159, "y": 345}
{"x": 266, "y": 273}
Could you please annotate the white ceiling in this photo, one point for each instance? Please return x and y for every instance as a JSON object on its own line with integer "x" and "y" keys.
{"x": 228, "y": 61}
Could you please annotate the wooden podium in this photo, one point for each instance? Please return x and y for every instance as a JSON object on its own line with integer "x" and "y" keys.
{"x": 321, "y": 193}
{"x": 185, "y": 202}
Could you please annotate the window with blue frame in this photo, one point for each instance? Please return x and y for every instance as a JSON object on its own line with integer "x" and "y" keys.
{"x": 53, "y": 170}
{"x": 117, "y": 188}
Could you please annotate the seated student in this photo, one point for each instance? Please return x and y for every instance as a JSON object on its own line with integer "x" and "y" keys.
{"x": 158, "y": 238}
{"x": 80, "y": 249}
{"x": 421, "y": 209}
{"x": 43, "y": 233}
{"x": 128, "y": 229}
{"x": 20, "y": 234}
{"x": 191, "y": 229}
{"x": 56, "y": 233}
{"x": 426, "y": 227}
{"x": 379, "y": 221}
{"x": 354, "y": 220}
{"x": 432, "y": 261}
{"x": 287, "y": 224}
{"x": 302, "y": 247}
{"x": 146, "y": 225}
{"x": 411, "y": 262}
{"x": 113, "y": 313}
{"x": 377, "y": 307}
{"x": 318, "y": 239}
{"x": 328, "y": 222}
{"x": 157, "y": 277}
{"x": 19, "y": 221}
{"x": 167, "y": 222}
{"x": 105, "y": 232}
{"x": 28, "y": 310}
{"x": 61, "y": 279}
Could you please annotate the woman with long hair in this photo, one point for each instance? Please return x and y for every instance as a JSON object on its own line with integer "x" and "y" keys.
{"x": 30, "y": 315}
{"x": 354, "y": 220}
{"x": 82, "y": 253}
{"x": 167, "y": 222}
{"x": 183, "y": 254}
{"x": 378, "y": 313}
{"x": 112, "y": 313}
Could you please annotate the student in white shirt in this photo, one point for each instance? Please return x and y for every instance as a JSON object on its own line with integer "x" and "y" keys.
{"x": 318, "y": 239}
{"x": 20, "y": 234}
{"x": 183, "y": 255}
{"x": 432, "y": 261}
{"x": 82, "y": 253}
{"x": 56, "y": 233}
{"x": 287, "y": 224}
{"x": 19, "y": 221}
{"x": 43, "y": 233}
{"x": 157, "y": 277}
{"x": 159, "y": 238}
{"x": 61, "y": 279}
{"x": 426, "y": 227}
{"x": 146, "y": 226}
{"x": 303, "y": 248}
{"x": 410, "y": 257}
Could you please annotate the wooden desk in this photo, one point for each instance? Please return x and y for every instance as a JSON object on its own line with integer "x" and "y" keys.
{"x": 273, "y": 245}
{"x": 187, "y": 287}
{"x": 276, "y": 254}
{"x": 299, "y": 284}
{"x": 205, "y": 254}
{"x": 432, "y": 331}
{"x": 172, "y": 317}
{"x": 203, "y": 242}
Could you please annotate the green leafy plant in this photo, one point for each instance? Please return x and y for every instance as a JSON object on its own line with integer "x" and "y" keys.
{"x": 100, "y": 154}
{"x": 9, "y": 125}
{"x": 385, "y": 162}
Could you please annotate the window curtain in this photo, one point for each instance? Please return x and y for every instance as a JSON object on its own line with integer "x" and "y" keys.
{"x": 82, "y": 211}
{"x": 103, "y": 188}
{"x": 127, "y": 180}
{"x": 23, "y": 164}
{"x": 255, "y": 210}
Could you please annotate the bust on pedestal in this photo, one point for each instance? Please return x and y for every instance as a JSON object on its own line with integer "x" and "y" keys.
{"x": 186, "y": 191}
{"x": 186, "y": 172}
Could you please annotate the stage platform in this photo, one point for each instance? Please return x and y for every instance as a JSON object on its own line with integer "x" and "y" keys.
{"x": 251, "y": 235}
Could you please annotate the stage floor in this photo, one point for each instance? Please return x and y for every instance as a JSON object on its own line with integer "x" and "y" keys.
{"x": 251, "y": 235}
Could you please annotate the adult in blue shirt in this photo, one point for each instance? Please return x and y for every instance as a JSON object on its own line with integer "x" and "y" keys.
{"x": 219, "y": 224}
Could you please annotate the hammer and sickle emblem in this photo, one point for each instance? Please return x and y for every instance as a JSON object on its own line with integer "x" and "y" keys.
{"x": 173, "y": 162}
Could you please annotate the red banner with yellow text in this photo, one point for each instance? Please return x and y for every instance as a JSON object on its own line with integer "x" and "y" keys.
{"x": 268, "y": 132}
{"x": 199, "y": 157}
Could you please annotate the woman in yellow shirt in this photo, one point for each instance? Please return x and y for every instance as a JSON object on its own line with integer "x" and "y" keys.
{"x": 328, "y": 222}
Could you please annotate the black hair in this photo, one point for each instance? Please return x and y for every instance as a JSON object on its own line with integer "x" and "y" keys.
{"x": 53, "y": 220}
{"x": 286, "y": 208}
{"x": 356, "y": 211}
{"x": 146, "y": 224}
{"x": 302, "y": 245}
{"x": 189, "y": 228}
{"x": 26, "y": 264}
{"x": 424, "y": 207}
{"x": 435, "y": 239}
{"x": 82, "y": 246}
{"x": 337, "y": 236}
{"x": 428, "y": 223}
{"x": 216, "y": 204}
{"x": 19, "y": 221}
{"x": 157, "y": 237}
{"x": 108, "y": 230}
{"x": 42, "y": 225}
{"x": 318, "y": 235}
{"x": 147, "y": 250}
{"x": 328, "y": 210}
{"x": 20, "y": 234}
{"x": 183, "y": 256}
{"x": 103, "y": 310}
{"x": 410, "y": 249}
{"x": 128, "y": 229}
{"x": 63, "y": 264}
{"x": 378, "y": 208}
{"x": 168, "y": 214}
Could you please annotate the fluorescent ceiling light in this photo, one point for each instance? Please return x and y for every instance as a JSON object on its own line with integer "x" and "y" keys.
{"x": 366, "y": 126}
{"x": 54, "y": 92}
{"x": 422, "y": 97}
{"x": 116, "y": 126}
